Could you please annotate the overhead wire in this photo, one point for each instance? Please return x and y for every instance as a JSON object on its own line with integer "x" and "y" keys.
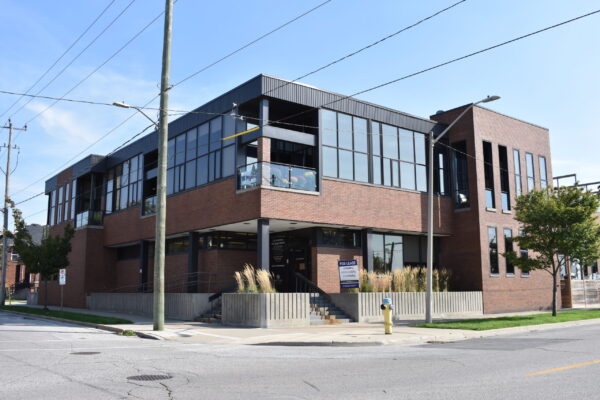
{"x": 61, "y": 56}
{"x": 431, "y": 68}
{"x": 98, "y": 36}
{"x": 197, "y": 72}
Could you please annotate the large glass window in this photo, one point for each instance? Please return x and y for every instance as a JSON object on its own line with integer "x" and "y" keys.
{"x": 488, "y": 169}
{"x": 517, "y": 162}
{"x": 404, "y": 159}
{"x": 543, "y": 173}
{"x": 123, "y": 185}
{"x": 493, "y": 250}
{"x": 504, "y": 185}
{"x": 59, "y": 208}
{"x": 508, "y": 247}
{"x": 530, "y": 171}
{"x": 345, "y": 146}
{"x": 387, "y": 252}
{"x": 461, "y": 175}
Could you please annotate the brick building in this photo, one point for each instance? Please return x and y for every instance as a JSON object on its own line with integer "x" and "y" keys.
{"x": 322, "y": 178}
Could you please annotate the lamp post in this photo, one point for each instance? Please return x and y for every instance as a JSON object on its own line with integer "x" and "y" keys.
{"x": 431, "y": 144}
{"x": 125, "y": 105}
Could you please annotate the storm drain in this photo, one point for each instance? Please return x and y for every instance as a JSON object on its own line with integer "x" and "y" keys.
{"x": 149, "y": 377}
{"x": 85, "y": 353}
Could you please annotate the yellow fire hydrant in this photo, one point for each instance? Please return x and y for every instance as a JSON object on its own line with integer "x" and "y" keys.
{"x": 387, "y": 308}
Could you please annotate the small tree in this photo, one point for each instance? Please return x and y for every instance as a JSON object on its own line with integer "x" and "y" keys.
{"x": 558, "y": 224}
{"x": 45, "y": 258}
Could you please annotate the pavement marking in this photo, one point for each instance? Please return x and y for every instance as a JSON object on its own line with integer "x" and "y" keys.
{"x": 547, "y": 371}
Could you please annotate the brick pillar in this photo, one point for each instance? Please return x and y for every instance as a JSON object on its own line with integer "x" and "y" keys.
{"x": 264, "y": 149}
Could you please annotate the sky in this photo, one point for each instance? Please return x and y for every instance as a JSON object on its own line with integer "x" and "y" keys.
{"x": 550, "y": 79}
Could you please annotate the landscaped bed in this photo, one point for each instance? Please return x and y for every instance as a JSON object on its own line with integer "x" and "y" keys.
{"x": 90, "y": 318}
{"x": 484, "y": 324}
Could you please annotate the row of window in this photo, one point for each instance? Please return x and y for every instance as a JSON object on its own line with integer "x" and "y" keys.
{"x": 508, "y": 247}
{"x": 488, "y": 168}
{"x": 393, "y": 157}
{"x": 124, "y": 185}
{"x": 61, "y": 204}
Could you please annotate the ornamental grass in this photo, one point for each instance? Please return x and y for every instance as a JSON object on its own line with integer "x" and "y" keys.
{"x": 407, "y": 279}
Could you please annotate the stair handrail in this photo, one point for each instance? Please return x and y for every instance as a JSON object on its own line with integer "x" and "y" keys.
{"x": 311, "y": 286}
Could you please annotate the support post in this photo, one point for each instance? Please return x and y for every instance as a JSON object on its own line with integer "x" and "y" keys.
{"x": 161, "y": 209}
{"x": 429, "y": 296}
{"x": 367, "y": 245}
{"x": 263, "y": 244}
{"x": 193, "y": 276}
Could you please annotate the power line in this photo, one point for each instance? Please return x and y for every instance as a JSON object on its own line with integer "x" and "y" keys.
{"x": 383, "y": 39}
{"x": 61, "y": 56}
{"x": 446, "y": 63}
{"x": 111, "y": 23}
{"x": 155, "y": 97}
{"x": 250, "y": 43}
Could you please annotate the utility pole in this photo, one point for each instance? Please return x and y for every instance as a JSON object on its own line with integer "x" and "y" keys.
{"x": 161, "y": 209}
{"x": 5, "y": 209}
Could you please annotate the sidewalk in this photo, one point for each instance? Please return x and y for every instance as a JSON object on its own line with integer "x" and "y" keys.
{"x": 353, "y": 334}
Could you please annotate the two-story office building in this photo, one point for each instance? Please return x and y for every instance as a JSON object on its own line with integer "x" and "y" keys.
{"x": 322, "y": 178}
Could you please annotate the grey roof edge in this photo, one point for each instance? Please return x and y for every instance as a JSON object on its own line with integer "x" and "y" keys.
{"x": 495, "y": 112}
{"x": 384, "y": 108}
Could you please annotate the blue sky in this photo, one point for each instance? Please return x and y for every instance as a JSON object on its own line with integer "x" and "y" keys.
{"x": 550, "y": 79}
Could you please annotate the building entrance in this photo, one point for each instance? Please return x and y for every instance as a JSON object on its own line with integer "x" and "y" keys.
{"x": 290, "y": 254}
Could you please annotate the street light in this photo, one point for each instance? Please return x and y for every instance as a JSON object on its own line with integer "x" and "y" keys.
{"x": 432, "y": 141}
{"x": 125, "y": 105}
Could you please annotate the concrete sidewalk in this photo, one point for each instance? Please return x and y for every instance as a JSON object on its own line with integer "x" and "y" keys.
{"x": 353, "y": 334}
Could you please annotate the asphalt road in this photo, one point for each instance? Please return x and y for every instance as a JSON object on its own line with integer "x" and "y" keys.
{"x": 46, "y": 360}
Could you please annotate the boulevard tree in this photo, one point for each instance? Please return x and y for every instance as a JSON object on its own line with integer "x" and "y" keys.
{"x": 45, "y": 258}
{"x": 558, "y": 224}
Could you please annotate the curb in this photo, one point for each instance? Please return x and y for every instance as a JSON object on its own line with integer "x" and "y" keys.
{"x": 108, "y": 328}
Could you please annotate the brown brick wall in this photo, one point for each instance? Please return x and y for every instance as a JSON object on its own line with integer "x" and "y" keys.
{"x": 325, "y": 271}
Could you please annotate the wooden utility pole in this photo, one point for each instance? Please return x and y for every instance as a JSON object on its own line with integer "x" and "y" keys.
{"x": 9, "y": 148}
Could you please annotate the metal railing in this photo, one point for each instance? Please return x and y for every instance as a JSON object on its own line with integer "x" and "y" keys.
{"x": 89, "y": 217}
{"x": 304, "y": 285}
{"x": 276, "y": 175}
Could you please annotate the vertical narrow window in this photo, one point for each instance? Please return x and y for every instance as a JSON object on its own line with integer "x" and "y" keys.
{"x": 344, "y": 131}
{"x": 440, "y": 184}
{"x": 530, "y": 171}
{"x": 215, "y": 134}
{"x": 66, "y": 211}
{"x": 543, "y": 173}
{"x": 329, "y": 131}
{"x": 488, "y": 170}
{"x": 203, "y": 139}
{"x": 73, "y": 198}
{"x": 493, "y": 250}
{"x": 461, "y": 174}
{"x": 59, "y": 208}
{"x": 508, "y": 247}
{"x": 389, "y": 139}
{"x": 504, "y": 185}
{"x": 517, "y": 163}
{"x": 376, "y": 151}
{"x": 108, "y": 199}
{"x": 330, "y": 162}
{"x": 523, "y": 253}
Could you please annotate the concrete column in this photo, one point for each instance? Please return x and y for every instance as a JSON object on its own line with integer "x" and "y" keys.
{"x": 193, "y": 263}
{"x": 144, "y": 246}
{"x": 263, "y": 112}
{"x": 367, "y": 248}
{"x": 263, "y": 244}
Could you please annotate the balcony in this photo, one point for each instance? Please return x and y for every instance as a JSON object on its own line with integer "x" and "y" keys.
{"x": 89, "y": 218}
{"x": 276, "y": 175}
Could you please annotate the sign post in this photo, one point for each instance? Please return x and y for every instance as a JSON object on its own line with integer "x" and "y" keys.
{"x": 349, "y": 278}
{"x": 62, "y": 281}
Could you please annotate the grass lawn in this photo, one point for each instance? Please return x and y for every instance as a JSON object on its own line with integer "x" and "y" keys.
{"x": 484, "y": 324}
{"x": 94, "y": 319}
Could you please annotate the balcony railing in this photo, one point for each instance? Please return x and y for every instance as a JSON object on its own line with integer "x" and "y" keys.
{"x": 276, "y": 175}
{"x": 89, "y": 217}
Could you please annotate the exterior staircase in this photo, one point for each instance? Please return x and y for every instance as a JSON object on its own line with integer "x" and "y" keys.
{"x": 324, "y": 312}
